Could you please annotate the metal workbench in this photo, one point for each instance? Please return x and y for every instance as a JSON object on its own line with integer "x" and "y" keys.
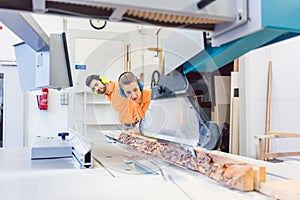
{"x": 123, "y": 173}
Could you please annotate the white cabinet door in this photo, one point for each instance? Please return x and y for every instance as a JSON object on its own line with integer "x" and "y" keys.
{"x": 99, "y": 56}
{"x": 103, "y": 57}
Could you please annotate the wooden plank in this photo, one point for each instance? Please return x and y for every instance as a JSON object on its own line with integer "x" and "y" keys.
{"x": 231, "y": 172}
{"x": 260, "y": 137}
{"x": 259, "y": 176}
{"x": 280, "y": 154}
{"x": 234, "y": 113}
{"x": 267, "y": 128}
{"x": 213, "y": 115}
{"x": 282, "y": 189}
{"x": 222, "y": 113}
{"x": 241, "y": 173}
{"x": 284, "y": 134}
{"x": 216, "y": 115}
{"x": 258, "y": 168}
{"x": 222, "y": 89}
{"x": 236, "y": 65}
{"x": 263, "y": 155}
{"x": 96, "y": 164}
{"x": 235, "y": 126}
{"x": 261, "y": 149}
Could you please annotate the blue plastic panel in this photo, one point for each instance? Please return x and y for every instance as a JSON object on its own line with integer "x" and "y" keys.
{"x": 283, "y": 15}
{"x": 280, "y": 21}
{"x": 214, "y": 58}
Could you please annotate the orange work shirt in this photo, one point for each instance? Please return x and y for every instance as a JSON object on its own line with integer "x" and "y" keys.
{"x": 139, "y": 110}
{"x": 119, "y": 103}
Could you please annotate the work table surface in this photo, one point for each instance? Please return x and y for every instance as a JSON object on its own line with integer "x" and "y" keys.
{"x": 123, "y": 173}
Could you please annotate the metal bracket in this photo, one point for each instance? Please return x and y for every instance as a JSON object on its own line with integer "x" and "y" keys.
{"x": 118, "y": 14}
{"x": 241, "y": 13}
{"x": 39, "y": 6}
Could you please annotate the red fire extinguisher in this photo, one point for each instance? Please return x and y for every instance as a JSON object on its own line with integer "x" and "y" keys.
{"x": 43, "y": 99}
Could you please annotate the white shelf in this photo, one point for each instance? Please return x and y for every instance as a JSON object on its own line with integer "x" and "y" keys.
{"x": 91, "y": 123}
{"x": 91, "y": 118}
{"x": 98, "y": 103}
{"x": 82, "y": 92}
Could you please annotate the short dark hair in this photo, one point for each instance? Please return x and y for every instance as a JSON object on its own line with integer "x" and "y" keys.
{"x": 90, "y": 78}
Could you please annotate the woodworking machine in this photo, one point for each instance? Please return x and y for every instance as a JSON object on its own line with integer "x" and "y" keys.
{"x": 175, "y": 115}
{"x": 64, "y": 145}
{"x": 231, "y": 27}
{"x": 215, "y": 32}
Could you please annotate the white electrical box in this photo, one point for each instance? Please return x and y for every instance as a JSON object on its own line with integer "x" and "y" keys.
{"x": 47, "y": 68}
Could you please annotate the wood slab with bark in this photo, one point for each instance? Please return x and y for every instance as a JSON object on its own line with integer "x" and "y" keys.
{"x": 234, "y": 173}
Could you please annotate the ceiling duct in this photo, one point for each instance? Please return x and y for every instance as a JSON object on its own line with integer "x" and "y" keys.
{"x": 26, "y": 28}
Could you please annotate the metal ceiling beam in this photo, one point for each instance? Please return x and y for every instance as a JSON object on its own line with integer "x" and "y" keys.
{"x": 26, "y": 28}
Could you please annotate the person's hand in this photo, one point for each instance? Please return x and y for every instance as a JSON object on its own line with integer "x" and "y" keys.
{"x": 136, "y": 117}
{"x": 135, "y": 130}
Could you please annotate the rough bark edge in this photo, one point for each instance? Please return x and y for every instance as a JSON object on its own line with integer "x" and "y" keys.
{"x": 234, "y": 173}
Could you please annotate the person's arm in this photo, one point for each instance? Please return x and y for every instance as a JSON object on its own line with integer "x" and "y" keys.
{"x": 146, "y": 102}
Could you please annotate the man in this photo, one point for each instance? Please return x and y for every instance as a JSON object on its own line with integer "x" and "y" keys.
{"x": 139, "y": 98}
{"x": 99, "y": 85}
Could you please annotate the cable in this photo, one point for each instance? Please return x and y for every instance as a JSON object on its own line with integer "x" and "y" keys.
{"x": 154, "y": 81}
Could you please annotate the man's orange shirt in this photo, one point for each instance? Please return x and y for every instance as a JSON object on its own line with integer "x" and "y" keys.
{"x": 137, "y": 111}
{"x": 119, "y": 103}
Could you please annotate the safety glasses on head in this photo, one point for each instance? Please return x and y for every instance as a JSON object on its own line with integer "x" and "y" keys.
{"x": 103, "y": 80}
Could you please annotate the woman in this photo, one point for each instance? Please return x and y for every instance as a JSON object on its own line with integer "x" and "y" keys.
{"x": 139, "y": 98}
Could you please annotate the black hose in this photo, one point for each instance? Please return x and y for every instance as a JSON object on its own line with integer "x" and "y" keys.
{"x": 203, "y": 3}
{"x": 154, "y": 82}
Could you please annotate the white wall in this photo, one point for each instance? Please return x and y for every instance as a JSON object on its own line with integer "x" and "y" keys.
{"x": 285, "y": 95}
{"x": 13, "y": 97}
{"x": 7, "y": 40}
{"x": 13, "y": 110}
{"x": 22, "y": 119}
{"x": 103, "y": 52}
{"x": 94, "y": 54}
{"x": 50, "y": 23}
{"x": 45, "y": 122}
{"x": 137, "y": 36}
{"x": 58, "y": 117}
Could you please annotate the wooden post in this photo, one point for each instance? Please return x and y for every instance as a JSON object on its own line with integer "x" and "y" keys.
{"x": 261, "y": 149}
{"x": 234, "y": 110}
{"x": 236, "y": 65}
{"x": 267, "y": 128}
